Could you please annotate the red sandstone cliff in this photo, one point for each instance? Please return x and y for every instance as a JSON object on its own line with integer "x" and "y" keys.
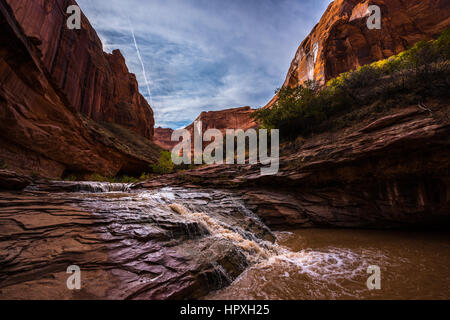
{"x": 163, "y": 138}
{"x": 95, "y": 83}
{"x": 41, "y": 93}
{"x": 236, "y": 118}
{"x": 341, "y": 41}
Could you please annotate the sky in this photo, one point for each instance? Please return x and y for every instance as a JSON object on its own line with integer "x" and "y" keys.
{"x": 191, "y": 56}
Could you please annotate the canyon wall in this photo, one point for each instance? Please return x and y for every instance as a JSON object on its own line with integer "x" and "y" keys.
{"x": 163, "y": 138}
{"x": 341, "y": 41}
{"x": 95, "y": 83}
{"x": 42, "y": 131}
{"x": 236, "y": 118}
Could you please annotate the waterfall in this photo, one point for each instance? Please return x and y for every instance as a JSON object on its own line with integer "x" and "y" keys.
{"x": 84, "y": 186}
{"x": 254, "y": 250}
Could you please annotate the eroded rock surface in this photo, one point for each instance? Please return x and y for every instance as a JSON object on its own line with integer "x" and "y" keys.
{"x": 389, "y": 170}
{"x": 233, "y": 119}
{"x": 341, "y": 41}
{"x": 163, "y": 138}
{"x": 237, "y": 118}
{"x": 128, "y": 245}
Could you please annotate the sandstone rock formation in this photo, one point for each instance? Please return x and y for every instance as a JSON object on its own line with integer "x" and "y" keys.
{"x": 341, "y": 41}
{"x": 41, "y": 130}
{"x": 95, "y": 83}
{"x": 386, "y": 171}
{"x": 132, "y": 248}
{"x": 163, "y": 138}
{"x": 10, "y": 180}
{"x": 236, "y": 118}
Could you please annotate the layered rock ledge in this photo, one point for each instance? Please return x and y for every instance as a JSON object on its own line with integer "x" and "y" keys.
{"x": 390, "y": 170}
{"x": 128, "y": 245}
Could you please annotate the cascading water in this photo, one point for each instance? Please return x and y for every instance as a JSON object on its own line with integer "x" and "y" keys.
{"x": 82, "y": 186}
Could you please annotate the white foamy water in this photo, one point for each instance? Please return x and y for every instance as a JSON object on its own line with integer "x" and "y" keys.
{"x": 253, "y": 250}
{"x": 332, "y": 264}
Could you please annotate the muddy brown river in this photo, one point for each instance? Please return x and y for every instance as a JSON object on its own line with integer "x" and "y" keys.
{"x": 332, "y": 264}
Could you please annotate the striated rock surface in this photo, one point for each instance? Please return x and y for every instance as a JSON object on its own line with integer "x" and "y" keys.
{"x": 389, "y": 170}
{"x": 41, "y": 131}
{"x": 236, "y": 118}
{"x": 95, "y": 83}
{"x": 127, "y": 245}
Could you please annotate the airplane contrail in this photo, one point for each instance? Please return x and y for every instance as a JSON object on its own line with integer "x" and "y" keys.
{"x": 142, "y": 62}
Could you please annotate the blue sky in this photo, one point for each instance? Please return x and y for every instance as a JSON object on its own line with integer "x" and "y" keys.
{"x": 202, "y": 55}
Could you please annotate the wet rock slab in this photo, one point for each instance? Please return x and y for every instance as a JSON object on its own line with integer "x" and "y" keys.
{"x": 127, "y": 245}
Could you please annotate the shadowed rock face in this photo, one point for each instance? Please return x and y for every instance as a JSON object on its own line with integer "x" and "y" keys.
{"x": 41, "y": 131}
{"x": 127, "y": 245}
{"x": 95, "y": 83}
{"x": 10, "y": 180}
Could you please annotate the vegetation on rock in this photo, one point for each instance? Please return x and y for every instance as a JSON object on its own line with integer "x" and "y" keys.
{"x": 164, "y": 165}
{"x": 413, "y": 76}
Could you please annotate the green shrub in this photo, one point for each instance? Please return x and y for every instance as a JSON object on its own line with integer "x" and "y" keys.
{"x": 144, "y": 176}
{"x": 164, "y": 165}
{"x": 71, "y": 177}
{"x": 124, "y": 179}
{"x": 97, "y": 178}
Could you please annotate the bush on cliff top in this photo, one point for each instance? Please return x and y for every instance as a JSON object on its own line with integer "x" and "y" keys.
{"x": 416, "y": 74}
